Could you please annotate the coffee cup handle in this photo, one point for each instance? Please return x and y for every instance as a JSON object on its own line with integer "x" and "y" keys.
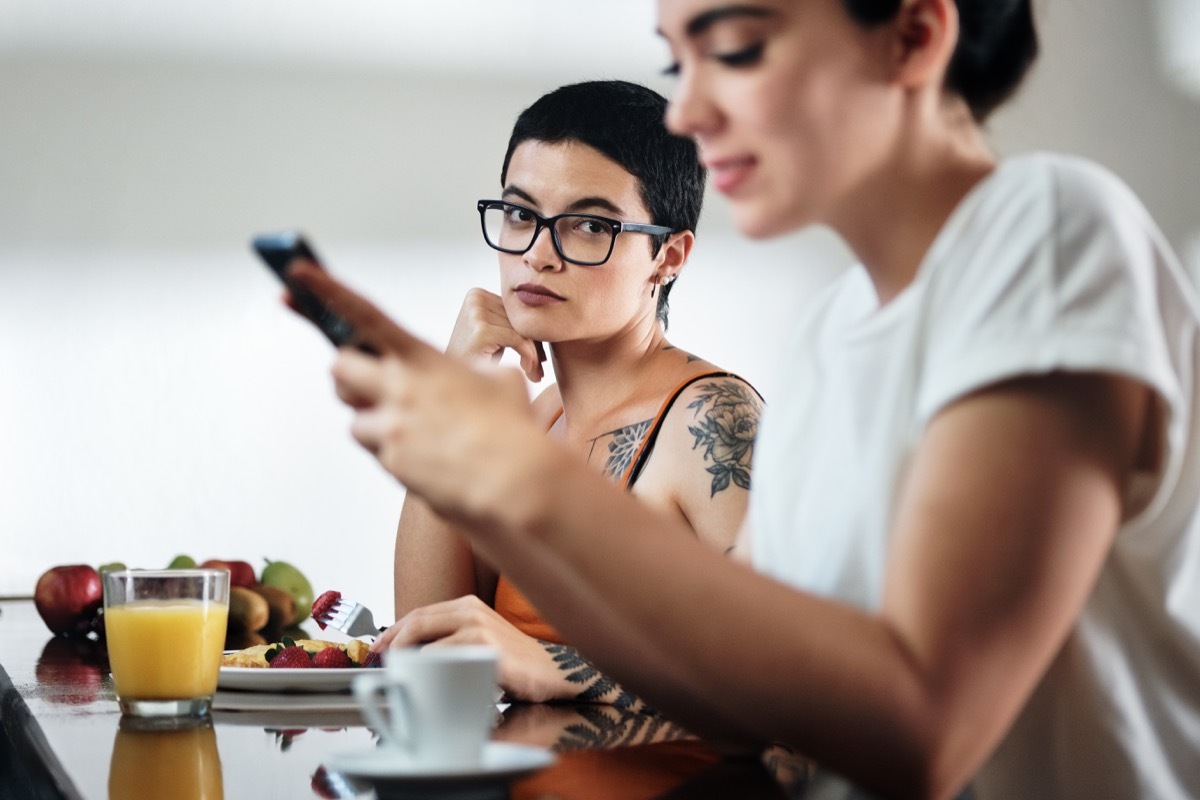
{"x": 366, "y": 690}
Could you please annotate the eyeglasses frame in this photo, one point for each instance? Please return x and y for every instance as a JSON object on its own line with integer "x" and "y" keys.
{"x": 618, "y": 227}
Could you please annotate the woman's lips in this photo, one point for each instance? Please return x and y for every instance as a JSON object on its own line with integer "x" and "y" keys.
{"x": 533, "y": 295}
{"x": 728, "y": 173}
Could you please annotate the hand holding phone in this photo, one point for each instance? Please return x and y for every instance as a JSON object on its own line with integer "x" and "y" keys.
{"x": 280, "y": 251}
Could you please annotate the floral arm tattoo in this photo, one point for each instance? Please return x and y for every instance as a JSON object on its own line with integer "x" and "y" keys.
{"x": 726, "y": 431}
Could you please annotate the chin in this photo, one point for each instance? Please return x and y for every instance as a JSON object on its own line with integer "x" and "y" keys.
{"x": 530, "y": 329}
{"x": 766, "y": 219}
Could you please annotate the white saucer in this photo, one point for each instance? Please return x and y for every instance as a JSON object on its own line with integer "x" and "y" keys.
{"x": 391, "y": 774}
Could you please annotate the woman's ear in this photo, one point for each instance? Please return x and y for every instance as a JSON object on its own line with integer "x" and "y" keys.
{"x": 926, "y": 32}
{"x": 674, "y": 254}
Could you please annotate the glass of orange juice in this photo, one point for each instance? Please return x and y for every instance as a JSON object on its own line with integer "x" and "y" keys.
{"x": 173, "y": 757}
{"x": 166, "y": 632}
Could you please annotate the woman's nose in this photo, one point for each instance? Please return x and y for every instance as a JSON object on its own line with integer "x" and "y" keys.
{"x": 542, "y": 254}
{"x": 691, "y": 112}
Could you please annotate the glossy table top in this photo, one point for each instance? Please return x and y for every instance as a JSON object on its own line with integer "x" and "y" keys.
{"x": 63, "y": 736}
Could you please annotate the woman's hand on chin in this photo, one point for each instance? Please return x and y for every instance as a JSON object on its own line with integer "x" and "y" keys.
{"x": 482, "y": 332}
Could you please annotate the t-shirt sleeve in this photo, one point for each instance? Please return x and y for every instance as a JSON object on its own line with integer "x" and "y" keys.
{"x": 1055, "y": 270}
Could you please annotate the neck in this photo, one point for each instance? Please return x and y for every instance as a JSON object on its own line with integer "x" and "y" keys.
{"x": 892, "y": 220}
{"x": 596, "y": 378}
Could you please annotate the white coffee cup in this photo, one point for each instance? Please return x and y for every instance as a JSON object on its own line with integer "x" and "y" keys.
{"x": 434, "y": 704}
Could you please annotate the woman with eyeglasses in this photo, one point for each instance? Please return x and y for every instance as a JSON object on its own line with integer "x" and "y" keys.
{"x": 596, "y": 219}
{"x": 975, "y": 524}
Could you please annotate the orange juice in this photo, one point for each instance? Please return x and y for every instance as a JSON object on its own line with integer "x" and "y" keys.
{"x": 180, "y": 764}
{"x": 165, "y": 649}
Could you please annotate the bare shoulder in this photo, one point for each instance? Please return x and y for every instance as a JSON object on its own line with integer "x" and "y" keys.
{"x": 702, "y": 460}
{"x": 718, "y": 416}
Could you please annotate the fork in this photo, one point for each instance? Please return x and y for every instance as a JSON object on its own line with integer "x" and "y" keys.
{"x": 352, "y": 619}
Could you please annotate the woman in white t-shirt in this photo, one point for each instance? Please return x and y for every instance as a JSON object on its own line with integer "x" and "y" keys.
{"x": 978, "y": 509}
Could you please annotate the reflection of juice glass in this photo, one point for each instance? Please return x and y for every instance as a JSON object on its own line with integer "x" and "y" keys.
{"x": 165, "y": 631}
{"x": 175, "y": 758}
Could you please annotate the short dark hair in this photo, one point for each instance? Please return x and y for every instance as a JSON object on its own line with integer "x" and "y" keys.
{"x": 997, "y": 44}
{"x": 625, "y": 122}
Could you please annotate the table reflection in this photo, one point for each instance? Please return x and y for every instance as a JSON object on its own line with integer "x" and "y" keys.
{"x": 169, "y": 757}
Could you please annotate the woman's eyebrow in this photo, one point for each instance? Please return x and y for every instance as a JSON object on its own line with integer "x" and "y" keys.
{"x": 700, "y": 24}
{"x": 519, "y": 193}
{"x": 594, "y": 202}
{"x": 583, "y": 203}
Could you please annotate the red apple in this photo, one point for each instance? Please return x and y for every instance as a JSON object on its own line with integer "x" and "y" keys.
{"x": 69, "y": 597}
{"x": 240, "y": 572}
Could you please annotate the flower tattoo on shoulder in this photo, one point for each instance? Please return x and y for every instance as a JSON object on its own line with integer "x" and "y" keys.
{"x": 726, "y": 423}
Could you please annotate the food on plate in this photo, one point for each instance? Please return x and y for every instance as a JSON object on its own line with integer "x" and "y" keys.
{"x": 332, "y": 658}
{"x": 294, "y": 657}
{"x": 256, "y": 656}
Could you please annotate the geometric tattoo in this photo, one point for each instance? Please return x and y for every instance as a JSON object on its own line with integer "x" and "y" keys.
{"x": 727, "y": 431}
{"x": 623, "y": 447}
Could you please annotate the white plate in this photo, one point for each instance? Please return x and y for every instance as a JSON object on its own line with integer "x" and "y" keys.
{"x": 391, "y": 773}
{"x": 265, "y": 679}
{"x": 240, "y": 701}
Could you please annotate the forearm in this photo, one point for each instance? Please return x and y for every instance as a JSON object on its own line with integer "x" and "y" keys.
{"x": 709, "y": 643}
{"x": 432, "y": 560}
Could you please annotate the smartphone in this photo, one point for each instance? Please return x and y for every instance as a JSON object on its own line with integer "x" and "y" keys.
{"x": 279, "y": 250}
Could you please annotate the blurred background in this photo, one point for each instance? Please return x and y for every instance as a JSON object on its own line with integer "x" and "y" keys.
{"x": 155, "y": 397}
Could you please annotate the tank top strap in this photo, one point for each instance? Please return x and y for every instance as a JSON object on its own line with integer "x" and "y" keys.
{"x": 642, "y": 455}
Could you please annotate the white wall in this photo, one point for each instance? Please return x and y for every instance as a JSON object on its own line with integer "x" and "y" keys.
{"x": 154, "y": 396}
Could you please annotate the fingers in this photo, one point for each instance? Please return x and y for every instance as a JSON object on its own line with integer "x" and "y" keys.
{"x": 483, "y": 331}
{"x": 358, "y": 378}
{"x": 370, "y": 324}
{"x": 531, "y": 359}
{"x": 439, "y": 621}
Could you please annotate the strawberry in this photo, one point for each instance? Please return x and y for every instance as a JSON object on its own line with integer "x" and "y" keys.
{"x": 291, "y": 657}
{"x": 332, "y": 658}
{"x": 373, "y": 659}
{"x": 324, "y": 605}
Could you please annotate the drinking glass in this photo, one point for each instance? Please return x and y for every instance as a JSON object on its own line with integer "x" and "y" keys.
{"x": 165, "y": 632}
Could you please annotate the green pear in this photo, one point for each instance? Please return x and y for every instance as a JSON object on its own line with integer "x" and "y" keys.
{"x": 182, "y": 561}
{"x": 283, "y": 575}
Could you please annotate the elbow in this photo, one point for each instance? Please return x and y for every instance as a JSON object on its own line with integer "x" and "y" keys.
{"x": 934, "y": 768}
{"x": 922, "y": 755}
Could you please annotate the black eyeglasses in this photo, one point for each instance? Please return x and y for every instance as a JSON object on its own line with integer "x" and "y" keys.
{"x": 583, "y": 239}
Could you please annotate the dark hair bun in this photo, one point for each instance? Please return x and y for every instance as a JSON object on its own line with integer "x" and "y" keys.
{"x": 997, "y": 43}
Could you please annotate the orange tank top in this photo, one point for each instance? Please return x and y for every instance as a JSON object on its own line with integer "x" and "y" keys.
{"x": 510, "y": 603}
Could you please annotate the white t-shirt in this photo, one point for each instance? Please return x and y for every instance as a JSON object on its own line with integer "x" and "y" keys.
{"x": 1048, "y": 264}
